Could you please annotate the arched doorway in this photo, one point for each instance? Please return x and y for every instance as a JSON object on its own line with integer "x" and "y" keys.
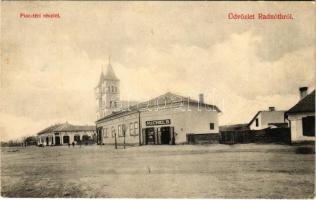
{"x": 66, "y": 139}
{"x": 47, "y": 141}
{"x": 77, "y": 138}
{"x": 85, "y": 139}
{"x": 57, "y": 140}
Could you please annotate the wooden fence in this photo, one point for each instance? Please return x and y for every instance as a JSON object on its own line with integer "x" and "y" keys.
{"x": 277, "y": 135}
{"x": 209, "y": 138}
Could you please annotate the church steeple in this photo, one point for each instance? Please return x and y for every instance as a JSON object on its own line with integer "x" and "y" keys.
{"x": 108, "y": 92}
{"x": 110, "y": 75}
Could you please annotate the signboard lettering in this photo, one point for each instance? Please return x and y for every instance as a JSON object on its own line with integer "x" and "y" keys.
{"x": 158, "y": 122}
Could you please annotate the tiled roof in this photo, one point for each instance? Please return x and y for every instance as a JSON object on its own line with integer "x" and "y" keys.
{"x": 162, "y": 100}
{"x": 66, "y": 127}
{"x": 307, "y": 104}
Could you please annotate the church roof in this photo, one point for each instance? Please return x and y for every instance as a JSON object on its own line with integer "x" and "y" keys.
{"x": 110, "y": 75}
{"x": 101, "y": 78}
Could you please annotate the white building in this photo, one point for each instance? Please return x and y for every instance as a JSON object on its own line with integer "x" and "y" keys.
{"x": 167, "y": 119}
{"x": 302, "y": 117}
{"x": 268, "y": 119}
{"x": 62, "y": 134}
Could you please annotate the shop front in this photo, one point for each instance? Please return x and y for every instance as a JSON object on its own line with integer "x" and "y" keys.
{"x": 158, "y": 132}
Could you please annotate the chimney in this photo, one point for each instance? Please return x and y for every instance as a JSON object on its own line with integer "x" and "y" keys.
{"x": 201, "y": 98}
{"x": 303, "y": 92}
{"x": 271, "y": 108}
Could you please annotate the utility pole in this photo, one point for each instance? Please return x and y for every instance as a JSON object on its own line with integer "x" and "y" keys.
{"x": 123, "y": 127}
{"x": 115, "y": 141}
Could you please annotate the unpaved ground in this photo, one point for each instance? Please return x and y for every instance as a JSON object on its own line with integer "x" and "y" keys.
{"x": 215, "y": 171}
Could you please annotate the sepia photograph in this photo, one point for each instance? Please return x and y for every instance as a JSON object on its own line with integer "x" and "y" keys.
{"x": 157, "y": 99}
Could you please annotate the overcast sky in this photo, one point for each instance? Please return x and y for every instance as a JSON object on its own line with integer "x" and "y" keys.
{"x": 50, "y": 67}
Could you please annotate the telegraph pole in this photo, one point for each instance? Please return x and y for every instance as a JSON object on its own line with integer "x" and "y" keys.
{"x": 115, "y": 141}
{"x": 124, "y": 134}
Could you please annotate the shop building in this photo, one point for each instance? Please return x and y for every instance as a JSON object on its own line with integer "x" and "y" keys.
{"x": 167, "y": 119}
{"x": 63, "y": 134}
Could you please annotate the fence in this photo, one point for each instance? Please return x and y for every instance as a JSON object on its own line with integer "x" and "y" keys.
{"x": 209, "y": 138}
{"x": 277, "y": 135}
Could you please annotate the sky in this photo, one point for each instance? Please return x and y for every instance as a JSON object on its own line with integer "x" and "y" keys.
{"x": 50, "y": 67}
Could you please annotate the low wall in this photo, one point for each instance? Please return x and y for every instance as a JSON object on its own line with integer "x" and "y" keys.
{"x": 277, "y": 135}
{"x": 208, "y": 138}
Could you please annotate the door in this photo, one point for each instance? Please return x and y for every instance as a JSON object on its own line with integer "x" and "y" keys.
{"x": 57, "y": 140}
{"x": 165, "y": 135}
{"x": 47, "y": 141}
{"x": 77, "y": 138}
{"x": 150, "y": 136}
{"x": 66, "y": 139}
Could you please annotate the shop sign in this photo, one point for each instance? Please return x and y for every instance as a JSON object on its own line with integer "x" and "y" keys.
{"x": 158, "y": 122}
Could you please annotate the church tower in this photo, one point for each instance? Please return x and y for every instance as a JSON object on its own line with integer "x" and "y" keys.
{"x": 107, "y": 92}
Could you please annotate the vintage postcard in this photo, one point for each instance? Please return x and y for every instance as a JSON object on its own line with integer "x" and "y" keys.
{"x": 157, "y": 99}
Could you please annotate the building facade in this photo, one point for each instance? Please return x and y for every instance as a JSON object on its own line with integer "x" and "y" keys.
{"x": 63, "y": 134}
{"x": 167, "y": 119}
{"x": 268, "y": 119}
{"x": 302, "y": 117}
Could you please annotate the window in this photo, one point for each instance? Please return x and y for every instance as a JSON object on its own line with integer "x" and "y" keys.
{"x": 131, "y": 128}
{"x": 105, "y": 132}
{"x": 257, "y": 122}
{"x": 135, "y": 128}
{"x": 308, "y": 126}
{"x": 212, "y": 126}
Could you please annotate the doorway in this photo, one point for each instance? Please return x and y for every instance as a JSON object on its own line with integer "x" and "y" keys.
{"x": 57, "y": 140}
{"x": 77, "y": 138}
{"x": 47, "y": 141}
{"x": 66, "y": 139}
{"x": 150, "y": 136}
{"x": 165, "y": 135}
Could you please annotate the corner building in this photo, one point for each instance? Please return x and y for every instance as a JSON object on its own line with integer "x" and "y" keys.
{"x": 167, "y": 119}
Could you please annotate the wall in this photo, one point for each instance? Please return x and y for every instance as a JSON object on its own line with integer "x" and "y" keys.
{"x": 109, "y": 138}
{"x": 297, "y": 127}
{"x": 266, "y": 117}
{"x": 253, "y": 126}
{"x": 71, "y": 134}
{"x": 185, "y": 121}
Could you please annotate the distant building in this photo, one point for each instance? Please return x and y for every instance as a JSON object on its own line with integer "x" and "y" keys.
{"x": 167, "y": 119}
{"x": 61, "y": 134}
{"x": 302, "y": 117}
{"x": 268, "y": 119}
